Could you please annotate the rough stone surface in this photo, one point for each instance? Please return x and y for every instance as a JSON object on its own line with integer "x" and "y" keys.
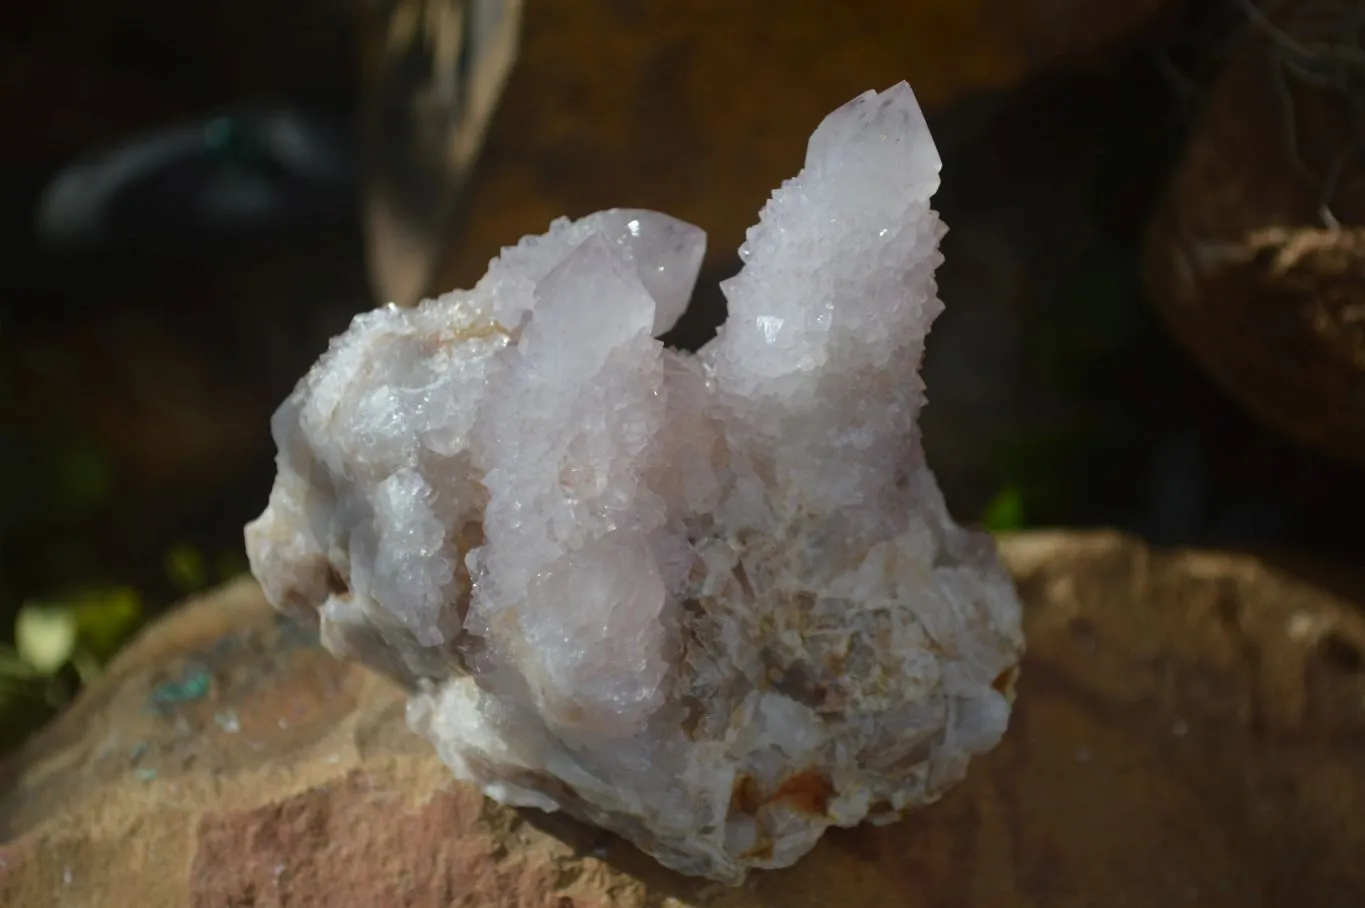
{"x": 1257, "y": 259}
{"x": 1188, "y": 731}
{"x": 714, "y": 603}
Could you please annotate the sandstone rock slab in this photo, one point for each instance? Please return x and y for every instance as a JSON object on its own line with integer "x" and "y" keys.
{"x": 1190, "y": 729}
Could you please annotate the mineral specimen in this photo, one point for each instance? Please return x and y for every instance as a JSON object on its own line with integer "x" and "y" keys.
{"x": 712, "y": 602}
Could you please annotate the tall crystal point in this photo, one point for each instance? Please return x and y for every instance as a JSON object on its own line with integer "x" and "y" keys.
{"x": 712, "y": 602}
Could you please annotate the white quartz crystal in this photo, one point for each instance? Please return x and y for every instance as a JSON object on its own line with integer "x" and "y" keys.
{"x": 711, "y": 602}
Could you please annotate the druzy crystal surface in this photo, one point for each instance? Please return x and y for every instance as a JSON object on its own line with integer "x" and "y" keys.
{"x": 712, "y": 602}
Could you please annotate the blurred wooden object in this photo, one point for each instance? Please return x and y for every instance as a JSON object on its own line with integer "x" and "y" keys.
{"x": 1256, "y": 261}
{"x": 433, "y": 71}
{"x": 700, "y": 107}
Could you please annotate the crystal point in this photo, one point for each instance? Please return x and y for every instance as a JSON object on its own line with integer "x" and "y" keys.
{"x": 667, "y": 254}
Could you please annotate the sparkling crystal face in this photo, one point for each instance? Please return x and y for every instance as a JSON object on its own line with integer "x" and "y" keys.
{"x": 712, "y": 602}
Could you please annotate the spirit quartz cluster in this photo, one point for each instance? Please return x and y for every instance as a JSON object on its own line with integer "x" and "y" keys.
{"x": 712, "y": 602}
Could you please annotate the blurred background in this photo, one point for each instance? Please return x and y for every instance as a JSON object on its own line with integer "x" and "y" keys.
{"x": 1155, "y": 275}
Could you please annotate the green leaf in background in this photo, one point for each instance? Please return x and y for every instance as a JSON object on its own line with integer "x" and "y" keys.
{"x": 28, "y": 698}
{"x": 105, "y": 619}
{"x": 45, "y": 636}
{"x": 88, "y": 669}
{"x": 23, "y": 710}
{"x": 13, "y": 668}
{"x": 1006, "y": 511}
{"x": 82, "y": 479}
{"x": 91, "y": 624}
{"x": 185, "y": 568}
{"x": 60, "y": 644}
